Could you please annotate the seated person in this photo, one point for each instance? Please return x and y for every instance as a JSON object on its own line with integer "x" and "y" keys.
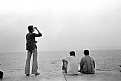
{"x": 87, "y": 64}
{"x": 70, "y": 64}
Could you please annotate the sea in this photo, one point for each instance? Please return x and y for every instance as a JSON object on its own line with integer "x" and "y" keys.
{"x": 50, "y": 62}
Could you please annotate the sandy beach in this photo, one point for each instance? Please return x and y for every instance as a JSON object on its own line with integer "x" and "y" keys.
{"x": 107, "y": 66}
{"x": 99, "y": 76}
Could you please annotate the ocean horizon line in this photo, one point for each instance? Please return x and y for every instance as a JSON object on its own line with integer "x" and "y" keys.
{"x": 62, "y": 50}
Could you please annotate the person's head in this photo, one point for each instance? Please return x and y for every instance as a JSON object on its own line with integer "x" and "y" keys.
{"x": 86, "y": 52}
{"x": 30, "y": 28}
{"x": 72, "y": 53}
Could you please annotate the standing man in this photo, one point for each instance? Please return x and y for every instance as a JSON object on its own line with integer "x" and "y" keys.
{"x": 87, "y": 64}
{"x": 31, "y": 49}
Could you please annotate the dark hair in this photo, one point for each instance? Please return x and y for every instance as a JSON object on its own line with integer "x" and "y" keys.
{"x": 30, "y": 28}
{"x": 72, "y": 53}
{"x": 86, "y": 52}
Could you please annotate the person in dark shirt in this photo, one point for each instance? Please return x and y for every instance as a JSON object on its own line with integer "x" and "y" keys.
{"x": 87, "y": 64}
{"x": 31, "y": 48}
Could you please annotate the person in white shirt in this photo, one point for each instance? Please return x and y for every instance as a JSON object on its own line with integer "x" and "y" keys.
{"x": 70, "y": 64}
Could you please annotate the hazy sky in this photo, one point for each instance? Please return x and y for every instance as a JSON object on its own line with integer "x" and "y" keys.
{"x": 65, "y": 24}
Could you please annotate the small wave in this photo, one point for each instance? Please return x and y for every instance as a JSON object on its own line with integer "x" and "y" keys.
{"x": 103, "y": 70}
{"x": 17, "y": 69}
{"x": 55, "y": 61}
{"x": 11, "y": 71}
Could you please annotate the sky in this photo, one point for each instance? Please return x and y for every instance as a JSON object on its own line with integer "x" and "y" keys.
{"x": 64, "y": 24}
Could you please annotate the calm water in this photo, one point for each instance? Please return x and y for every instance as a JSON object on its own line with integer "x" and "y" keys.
{"x": 50, "y": 62}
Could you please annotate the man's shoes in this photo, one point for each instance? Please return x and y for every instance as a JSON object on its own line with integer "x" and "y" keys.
{"x": 27, "y": 74}
{"x": 63, "y": 71}
{"x": 37, "y": 74}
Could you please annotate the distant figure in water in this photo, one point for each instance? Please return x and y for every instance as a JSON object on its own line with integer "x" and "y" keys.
{"x": 70, "y": 64}
{"x": 31, "y": 49}
{"x": 1, "y": 74}
{"x": 120, "y": 68}
{"x": 87, "y": 64}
